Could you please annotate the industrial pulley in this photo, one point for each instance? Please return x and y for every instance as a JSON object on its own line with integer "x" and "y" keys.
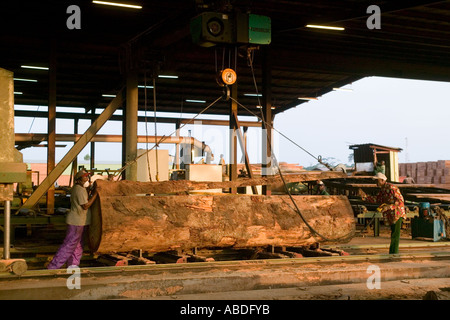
{"x": 226, "y": 77}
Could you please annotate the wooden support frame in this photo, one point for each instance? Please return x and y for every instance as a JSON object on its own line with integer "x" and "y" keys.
{"x": 73, "y": 152}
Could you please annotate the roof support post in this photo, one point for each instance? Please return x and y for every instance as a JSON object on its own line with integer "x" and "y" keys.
{"x": 75, "y": 161}
{"x": 177, "y": 145}
{"x": 130, "y": 129}
{"x": 267, "y": 123}
{"x": 243, "y": 144}
{"x": 51, "y": 128}
{"x": 92, "y": 158}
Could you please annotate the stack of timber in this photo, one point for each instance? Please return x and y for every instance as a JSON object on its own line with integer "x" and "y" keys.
{"x": 160, "y": 216}
{"x": 431, "y": 172}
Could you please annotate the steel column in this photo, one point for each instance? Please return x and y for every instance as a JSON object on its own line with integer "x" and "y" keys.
{"x": 267, "y": 123}
{"x": 242, "y": 142}
{"x": 92, "y": 158}
{"x": 75, "y": 161}
{"x": 131, "y": 119}
{"x": 177, "y": 146}
{"x": 7, "y": 230}
{"x": 51, "y": 140}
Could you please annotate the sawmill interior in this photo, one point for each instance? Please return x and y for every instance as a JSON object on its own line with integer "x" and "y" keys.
{"x": 162, "y": 223}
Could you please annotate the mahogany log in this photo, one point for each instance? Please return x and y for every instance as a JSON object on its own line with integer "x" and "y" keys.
{"x": 163, "y": 223}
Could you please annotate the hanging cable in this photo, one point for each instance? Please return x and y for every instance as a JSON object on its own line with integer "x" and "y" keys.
{"x": 273, "y": 158}
{"x": 32, "y": 122}
{"x": 261, "y": 118}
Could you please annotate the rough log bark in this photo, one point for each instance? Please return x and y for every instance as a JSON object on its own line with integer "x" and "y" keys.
{"x": 162, "y": 223}
{"x": 126, "y": 187}
{"x": 16, "y": 266}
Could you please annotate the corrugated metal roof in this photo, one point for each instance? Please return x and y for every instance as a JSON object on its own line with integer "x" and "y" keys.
{"x": 374, "y": 146}
{"x": 413, "y": 42}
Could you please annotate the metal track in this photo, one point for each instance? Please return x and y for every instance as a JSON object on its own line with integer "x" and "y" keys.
{"x": 166, "y": 280}
{"x": 235, "y": 265}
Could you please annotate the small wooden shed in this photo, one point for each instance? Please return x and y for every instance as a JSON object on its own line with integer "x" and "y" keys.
{"x": 367, "y": 155}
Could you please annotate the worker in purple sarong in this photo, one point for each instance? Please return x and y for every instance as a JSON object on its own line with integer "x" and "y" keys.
{"x": 77, "y": 220}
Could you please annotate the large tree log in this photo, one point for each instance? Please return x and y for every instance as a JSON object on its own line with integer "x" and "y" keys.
{"x": 162, "y": 223}
{"x": 126, "y": 187}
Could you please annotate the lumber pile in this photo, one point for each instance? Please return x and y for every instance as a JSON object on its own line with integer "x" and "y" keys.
{"x": 431, "y": 172}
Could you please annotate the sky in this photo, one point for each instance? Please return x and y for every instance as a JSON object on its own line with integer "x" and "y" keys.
{"x": 410, "y": 114}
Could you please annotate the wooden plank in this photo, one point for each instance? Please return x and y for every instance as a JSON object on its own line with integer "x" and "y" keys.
{"x": 374, "y": 185}
{"x": 164, "y": 223}
{"x": 430, "y": 195}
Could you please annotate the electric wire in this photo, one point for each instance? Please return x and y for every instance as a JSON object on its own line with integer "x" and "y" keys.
{"x": 32, "y": 122}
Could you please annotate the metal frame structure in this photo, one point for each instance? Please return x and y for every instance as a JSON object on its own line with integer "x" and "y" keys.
{"x": 103, "y": 57}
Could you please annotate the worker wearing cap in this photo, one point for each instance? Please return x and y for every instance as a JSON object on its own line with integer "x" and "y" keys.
{"x": 392, "y": 207}
{"x": 409, "y": 179}
{"x": 321, "y": 189}
{"x": 78, "y": 218}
